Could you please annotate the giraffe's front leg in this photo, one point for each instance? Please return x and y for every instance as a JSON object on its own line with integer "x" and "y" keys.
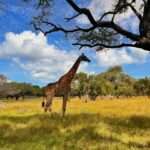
{"x": 65, "y": 98}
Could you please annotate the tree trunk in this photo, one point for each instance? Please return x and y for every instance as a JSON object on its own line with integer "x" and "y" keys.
{"x": 145, "y": 22}
{"x": 145, "y": 28}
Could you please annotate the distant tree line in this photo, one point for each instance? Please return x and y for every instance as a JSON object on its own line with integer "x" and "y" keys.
{"x": 112, "y": 83}
{"x": 15, "y": 90}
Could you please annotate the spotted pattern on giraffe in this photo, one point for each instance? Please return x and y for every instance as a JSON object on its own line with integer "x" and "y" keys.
{"x": 63, "y": 86}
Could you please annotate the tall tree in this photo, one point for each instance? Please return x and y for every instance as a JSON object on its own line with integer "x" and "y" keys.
{"x": 102, "y": 32}
{"x": 122, "y": 83}
{"x": 81, "y": 80}
{"x": 142, "y": 86}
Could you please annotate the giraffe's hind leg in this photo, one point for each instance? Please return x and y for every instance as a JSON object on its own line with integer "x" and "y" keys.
{"x": 48, "y": 105}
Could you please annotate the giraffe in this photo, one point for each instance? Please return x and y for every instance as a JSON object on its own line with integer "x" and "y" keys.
{"x": 62, "y": 87}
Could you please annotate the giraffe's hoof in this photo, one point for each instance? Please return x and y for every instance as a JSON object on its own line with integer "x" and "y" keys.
{"x": 45, "y": 109}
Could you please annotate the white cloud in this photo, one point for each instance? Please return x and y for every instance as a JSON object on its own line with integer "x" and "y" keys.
{"x": 97, "y": 7}
{"x": 41, "y": 61}
{"x": 138, "y": 55}
{"x": 45, "y": 62}
{"x": 115, "y": 57}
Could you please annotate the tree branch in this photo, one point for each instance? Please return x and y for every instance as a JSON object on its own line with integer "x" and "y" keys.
{"x": 144, "y": 1}
{"x": 105, "y": 46}
{"x": 39, "y": 4}
{"x": 135, "y": 11}
{"x": 84, "y": 11}
{"x": 68, "y": 19}
{"x": 59, "y": 28}
{"x": 104, "y": 24}
{"x": 95, "y": 24}
{"x": 105, "y": 14}
{"x": 115, "y": 12}
{"x": 108, "y": 24}
{"x": 37, "y": 28}
{"x": 112, "y": 25}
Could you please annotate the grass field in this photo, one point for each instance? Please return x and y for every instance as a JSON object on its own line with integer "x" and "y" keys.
{"x": 96, "y": 125}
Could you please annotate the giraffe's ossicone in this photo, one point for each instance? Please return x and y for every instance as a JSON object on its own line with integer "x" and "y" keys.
{"x": 62, "y": 87}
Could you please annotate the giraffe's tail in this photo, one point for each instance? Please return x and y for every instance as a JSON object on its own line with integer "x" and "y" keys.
{"x": 43, "y": 102}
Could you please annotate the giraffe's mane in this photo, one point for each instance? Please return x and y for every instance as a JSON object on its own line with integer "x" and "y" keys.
{"x": 52, "y": 83}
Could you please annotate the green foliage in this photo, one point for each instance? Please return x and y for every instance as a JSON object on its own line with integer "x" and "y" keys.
{"x": 112, "y": 82}
{"x": 116, "y": 69}
{"x": 94, "y": 87}
{"x": 28, "y": 89}
{"x": 142, "y": 86}
{"x": 41, "y": 3}
{"x": 120, "y": 6}
{"x": 106, "y": 87}
{"x": 100, "y": 35}
{"x": 37, "y": 91}
{"x": 80, "y": 83}
{"x": 15, "y": 89}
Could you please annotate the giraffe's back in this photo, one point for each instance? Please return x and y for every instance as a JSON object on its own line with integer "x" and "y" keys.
{"x": 50, "y": 88}
{"x": 58, "y": 88}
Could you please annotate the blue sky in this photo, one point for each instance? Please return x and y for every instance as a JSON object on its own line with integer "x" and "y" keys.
{"x": 28, "y": 56}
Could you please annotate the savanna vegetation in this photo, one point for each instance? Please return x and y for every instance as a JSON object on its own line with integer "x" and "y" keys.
{"x": 17, "y": 90}
{"x": 97, "y": 125}
{"x": 113, "y": 83}
{"x": 118, "y": 124}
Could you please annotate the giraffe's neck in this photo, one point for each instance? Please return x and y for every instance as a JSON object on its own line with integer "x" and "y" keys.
{"x": 74, "y": 69}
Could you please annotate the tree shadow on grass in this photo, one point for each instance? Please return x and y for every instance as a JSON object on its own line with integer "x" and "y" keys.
{"x": 55, "y": 132}
{"x": 129, "y": 123}
{"x": 141, "y": 122}
{"x": 138, "y": 145}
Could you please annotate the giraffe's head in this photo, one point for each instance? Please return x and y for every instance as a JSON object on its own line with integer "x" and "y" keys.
{"x": 84, "y": 58}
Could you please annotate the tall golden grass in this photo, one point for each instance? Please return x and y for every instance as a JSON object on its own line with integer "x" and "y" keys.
{"x": 102, "y": 124}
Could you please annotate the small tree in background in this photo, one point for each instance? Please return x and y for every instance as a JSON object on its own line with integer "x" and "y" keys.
{"x": 142, "y": 86}
{"x": 81, "y": 80}
{"x": 3, "y": 79}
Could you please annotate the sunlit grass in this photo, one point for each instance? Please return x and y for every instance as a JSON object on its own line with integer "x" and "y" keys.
{"x": 101, "y": 124}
